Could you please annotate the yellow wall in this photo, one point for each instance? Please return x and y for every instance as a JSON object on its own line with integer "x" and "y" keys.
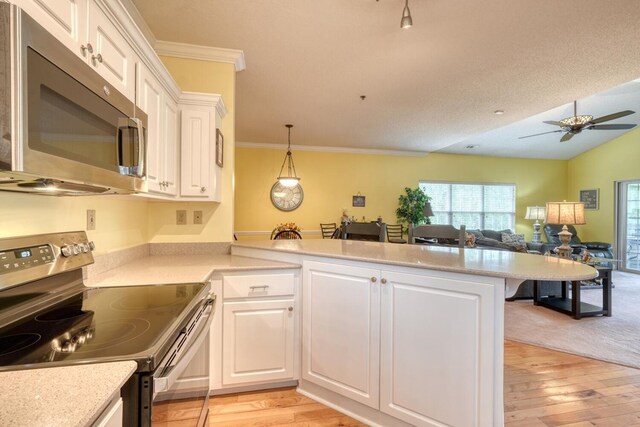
{"x": 617, "y": 160}
{"x": 121, "y": 221}
{"x": 209, "y": 77}
{"x": 329, "y": 181}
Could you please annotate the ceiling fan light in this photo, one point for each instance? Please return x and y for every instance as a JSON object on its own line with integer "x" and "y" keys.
{"x": 406, "y": 21}
{"x": 576, "y": 121}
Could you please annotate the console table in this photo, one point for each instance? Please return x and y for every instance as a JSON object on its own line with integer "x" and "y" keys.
{"x": 574, "y": 306}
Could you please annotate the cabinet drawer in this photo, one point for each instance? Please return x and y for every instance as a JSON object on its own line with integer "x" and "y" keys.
{"x": 258, "y": 285}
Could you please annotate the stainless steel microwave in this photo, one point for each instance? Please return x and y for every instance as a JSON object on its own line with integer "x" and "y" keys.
{"x": 63, "y": 128}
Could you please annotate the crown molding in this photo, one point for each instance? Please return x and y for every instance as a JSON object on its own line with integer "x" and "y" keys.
{"x": 317, "y": 148}
{"x": 206, "y": 53}
{"x": 204, "y": 100}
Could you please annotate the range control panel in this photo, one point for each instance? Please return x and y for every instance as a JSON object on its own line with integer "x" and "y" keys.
{"x": 28, "y": 258}
{"x": 21, "y": 258}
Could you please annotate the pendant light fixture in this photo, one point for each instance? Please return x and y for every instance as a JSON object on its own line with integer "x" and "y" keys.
{"x": 290, "y": 179}
{"x": 406, "y": 21}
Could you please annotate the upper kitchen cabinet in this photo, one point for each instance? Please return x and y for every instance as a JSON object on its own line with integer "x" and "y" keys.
{"x": 85, "y": 28}
{"x": 200, "y": 115}
{"x": 162, "y": 133}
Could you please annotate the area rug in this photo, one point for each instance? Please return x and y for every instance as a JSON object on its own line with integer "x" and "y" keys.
{"x": 613, "y": 339}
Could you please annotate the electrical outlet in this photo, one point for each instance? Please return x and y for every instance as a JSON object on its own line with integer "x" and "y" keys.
{"x": 181, "y": 217}
{"x": 91, "y": 219}
{"x": 197, "y": 217}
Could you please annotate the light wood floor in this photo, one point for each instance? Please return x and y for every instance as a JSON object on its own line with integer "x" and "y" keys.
{"x": 542, "y": 388}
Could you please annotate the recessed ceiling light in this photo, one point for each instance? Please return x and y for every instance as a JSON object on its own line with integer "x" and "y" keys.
{"x": 498, "y": 112}
{"x": 472, "y": 146}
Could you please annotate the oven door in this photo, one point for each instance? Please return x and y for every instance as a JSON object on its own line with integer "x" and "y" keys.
{"x": 184, "y": 371}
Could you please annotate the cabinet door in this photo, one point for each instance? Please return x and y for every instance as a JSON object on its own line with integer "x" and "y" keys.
{"x": 257, "y": 343}
{"x": 149, "y": 98}
{"x": 66, "y": 20}
{"x": 112, "y": 55}
{"x": 196, "y": 159}
{"x": 434, "y": 371}
{"x": 341, "y": 329}
{"x": 169, "y": 126}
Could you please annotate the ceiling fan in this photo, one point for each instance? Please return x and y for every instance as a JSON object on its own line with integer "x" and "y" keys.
{"x": 576, "y": 124}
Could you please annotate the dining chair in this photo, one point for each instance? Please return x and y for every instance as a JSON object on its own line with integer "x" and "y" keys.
{"x": 286, "y": 234}
{"x": 365, "y": 231}
{"x": 394, "y": 233}
{"x": 328, "y": 229}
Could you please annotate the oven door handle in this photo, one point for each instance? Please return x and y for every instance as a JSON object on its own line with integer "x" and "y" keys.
{"x": 165, "y": 382}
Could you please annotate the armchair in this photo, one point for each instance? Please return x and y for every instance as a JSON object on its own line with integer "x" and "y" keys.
{"x": 598, "y": 249}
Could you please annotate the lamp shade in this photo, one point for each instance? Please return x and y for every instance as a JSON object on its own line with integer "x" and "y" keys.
{"x": 535, "y": 212}
{"x": 571, "y": 213}
{"x": 427, "y": 210}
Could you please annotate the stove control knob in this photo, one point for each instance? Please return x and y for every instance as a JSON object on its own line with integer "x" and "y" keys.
{"x": 77, "y": 249}
{"x": 89, "y": 334}
{"x": 92, "y": 246}
{"x": 84, "y": 247}
{"x": 68, "y": 347}
{"x": 81, "y": 338}
{"x": 66, "y": 251}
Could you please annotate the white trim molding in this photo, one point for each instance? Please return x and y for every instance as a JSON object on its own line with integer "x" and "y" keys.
{"x": 206, "y": 53}
{"x": 204, "y": 99}
{"x": 318, "y": 148}
{"x": 268, "y": 233}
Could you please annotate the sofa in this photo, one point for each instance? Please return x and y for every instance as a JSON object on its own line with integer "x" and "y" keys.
{"x": 492, "y": 239}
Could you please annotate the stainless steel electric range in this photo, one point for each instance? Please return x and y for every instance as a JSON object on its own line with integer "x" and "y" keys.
{"x": 49, "y": 318}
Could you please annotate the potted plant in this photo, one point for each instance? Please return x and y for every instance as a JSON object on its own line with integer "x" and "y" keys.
{"x": 411, "y": 207}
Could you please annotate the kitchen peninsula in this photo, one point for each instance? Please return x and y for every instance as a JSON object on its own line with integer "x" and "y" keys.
{"x": 400, "y": 335}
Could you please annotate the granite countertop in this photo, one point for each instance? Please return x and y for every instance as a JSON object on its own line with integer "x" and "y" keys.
{"x": 510, "y": 265}
{"x": 62, "y": 396}
{"x": 170, "y": 269}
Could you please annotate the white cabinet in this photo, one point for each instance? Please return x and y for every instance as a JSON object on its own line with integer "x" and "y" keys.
{"x": 162, "y": 132}
{"x": 258, "y": 328}
{"x": 112, "y": 416}
{"x": 83, "y": 27}
{"x": 341, "y": 330}
{"x": 418, "y": 347}
{"x": 200, "y": 115}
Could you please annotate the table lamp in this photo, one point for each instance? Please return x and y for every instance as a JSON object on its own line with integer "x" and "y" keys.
{"x": 428, "y": 212}
{"x": 537, "y": 213}
{"x": 565, "y": 213}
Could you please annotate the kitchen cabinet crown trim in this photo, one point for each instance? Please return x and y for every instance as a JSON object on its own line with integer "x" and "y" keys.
{"x": 207, "y": 53}
{"x": 204, "y": 100}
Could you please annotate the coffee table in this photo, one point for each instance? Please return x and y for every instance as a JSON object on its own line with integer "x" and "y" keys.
{"x": 574, "y": 306}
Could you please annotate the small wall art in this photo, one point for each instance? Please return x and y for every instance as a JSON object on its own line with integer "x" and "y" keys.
{"x": 358, "y": 201}
{"x": 590, "y": 198}
{"x": 219, "y": 148}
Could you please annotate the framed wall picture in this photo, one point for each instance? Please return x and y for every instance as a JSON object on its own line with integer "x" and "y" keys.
{"x": 358, "y": 201}
{"x": 219, "y": 148}
{"x": 590, "y": 198}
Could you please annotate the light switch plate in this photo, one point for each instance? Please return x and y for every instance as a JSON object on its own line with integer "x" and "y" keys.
{"x": 197, "y": 217}
{"x": 91, "y": 219}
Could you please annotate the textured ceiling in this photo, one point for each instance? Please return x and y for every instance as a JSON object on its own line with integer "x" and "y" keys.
{"x": 433, "y": 86}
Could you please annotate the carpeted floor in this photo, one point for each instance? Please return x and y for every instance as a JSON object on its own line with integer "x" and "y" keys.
{"x": 614, "y": 339}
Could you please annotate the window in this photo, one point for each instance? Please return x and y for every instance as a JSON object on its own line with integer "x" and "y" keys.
{"x": 477, "y": 206}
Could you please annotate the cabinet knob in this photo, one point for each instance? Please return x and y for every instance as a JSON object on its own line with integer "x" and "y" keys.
{"x": 97, "y": 57}
{"x": 203, "y": 189}
{"x": 383, "y": 281}
{"x": 290, "y": 308}
{"x": 374, "y": 280}
{"x": 86, "y": 48}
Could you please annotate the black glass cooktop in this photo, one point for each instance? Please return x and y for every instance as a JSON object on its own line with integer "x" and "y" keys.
{"x": 98, "y": 324}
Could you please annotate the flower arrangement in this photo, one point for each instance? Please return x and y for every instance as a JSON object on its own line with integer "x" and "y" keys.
{"x": 287, "y": 226}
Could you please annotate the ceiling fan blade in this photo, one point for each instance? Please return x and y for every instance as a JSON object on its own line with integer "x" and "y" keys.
{"x": 552, "y": 122}
{"x": 543, "y": 133}
{"x": 612, "y": 127}
{"x": 567, "y": 136}
{"x": 612, "y": 116}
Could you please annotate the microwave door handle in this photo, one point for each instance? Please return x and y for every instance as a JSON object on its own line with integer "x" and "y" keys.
{"x": 123, "y": 123}
{"x": 138, "y": 169}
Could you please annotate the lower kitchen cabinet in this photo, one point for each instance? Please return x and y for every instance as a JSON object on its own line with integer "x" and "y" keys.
{"x": 257, "y": 341}
{"x": 254, "y": 337}
{"x": 418, "y": 347}
{"x": 112, "y": 416}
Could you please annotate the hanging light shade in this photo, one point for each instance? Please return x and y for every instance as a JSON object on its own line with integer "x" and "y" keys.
{"x": 406, "y": 21}
{"x": 288, "y": 178}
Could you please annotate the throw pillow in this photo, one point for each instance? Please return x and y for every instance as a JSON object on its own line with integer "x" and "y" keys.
{"x": 519, "y": 247}
{"x": 476, "y": 233}
{"x": 470, "y": 240}
{"x": 512, "y": 238}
